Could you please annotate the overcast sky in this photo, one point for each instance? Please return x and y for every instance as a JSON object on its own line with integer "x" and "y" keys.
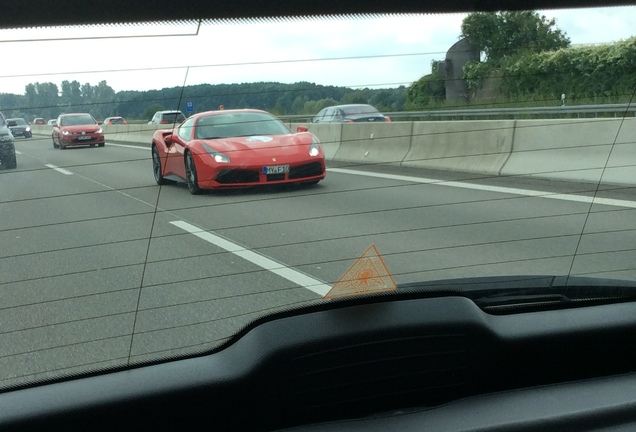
{"x": 363, "y": 52}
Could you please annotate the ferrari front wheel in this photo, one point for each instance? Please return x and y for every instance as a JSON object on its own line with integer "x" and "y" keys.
{"x": 191, "y": 174}
{"x": 156, "y": 167}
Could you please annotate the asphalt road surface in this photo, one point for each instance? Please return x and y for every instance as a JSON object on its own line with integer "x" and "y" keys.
{"x": 100, "y": 267}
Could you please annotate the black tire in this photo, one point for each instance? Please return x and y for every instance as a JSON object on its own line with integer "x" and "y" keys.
{"x": 191, "y": 174}
{"x": 156, "y": 168}
{"x": 10, "y": 163}
{"x": 62, "y": 146}
{"x": 101, "y": 144}
{"x": 54, "y": 145}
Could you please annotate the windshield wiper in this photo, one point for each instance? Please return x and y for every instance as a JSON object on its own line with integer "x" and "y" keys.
{"x": 515, "y": 294}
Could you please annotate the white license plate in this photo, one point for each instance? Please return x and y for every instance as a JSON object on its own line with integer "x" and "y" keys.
{"x": 276, "y": 169}
{"x": 83, "y": 138}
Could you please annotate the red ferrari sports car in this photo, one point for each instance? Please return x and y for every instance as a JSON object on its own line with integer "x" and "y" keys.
{"x": 236, "y": 148}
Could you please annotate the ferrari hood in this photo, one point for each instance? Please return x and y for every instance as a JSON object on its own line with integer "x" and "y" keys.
{"x": 262, "y": 145}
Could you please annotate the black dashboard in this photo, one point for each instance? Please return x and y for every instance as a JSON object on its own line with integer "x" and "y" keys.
{"x": 387, "y": 362}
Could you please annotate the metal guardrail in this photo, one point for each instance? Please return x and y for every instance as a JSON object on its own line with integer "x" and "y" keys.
{"x": 618, "y": 110}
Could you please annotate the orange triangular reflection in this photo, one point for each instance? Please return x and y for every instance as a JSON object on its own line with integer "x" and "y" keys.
{"x": 368, "y": 274}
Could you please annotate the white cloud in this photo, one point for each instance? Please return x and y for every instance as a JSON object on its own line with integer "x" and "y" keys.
{"x": 596, "y": 25}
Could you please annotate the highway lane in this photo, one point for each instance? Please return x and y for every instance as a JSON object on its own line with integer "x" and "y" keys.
{"x": 76, "y": 250}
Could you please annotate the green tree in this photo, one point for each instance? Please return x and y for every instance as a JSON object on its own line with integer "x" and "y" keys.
{"x": 44, "y": 98}
{"x": 428, "y": 91}
{"x": 312, "y": 107}
{"x": 71, "y": 97}
{"x": 508, "y": 33}
{"x": 298, "y": 104}
{"x": 355, "y": 97}
{"x": 151, "y": 110}
{"x": 88, "y": 93}
{"x": 104, "y": 100}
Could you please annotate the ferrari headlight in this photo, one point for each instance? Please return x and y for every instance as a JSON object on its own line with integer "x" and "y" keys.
{"x": 218, "y": 156}
{"x": 314, "y": 148}
{"x": 99, "y": 130}
{"x": 65, "y": 132}
{"x": 221, "y": 158}
{"x": 28, "y": 129}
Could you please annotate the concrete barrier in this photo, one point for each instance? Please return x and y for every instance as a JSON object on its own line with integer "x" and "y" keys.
{"x": 576, "y": 150}
{"x": 41, "y": 130}
{"x": 138, "y": 134}
{"x": 621, "y": 167}
{"x": 583, "y": 150}
{"x": 468, "y": 146}
{"x": 379, "y": 143}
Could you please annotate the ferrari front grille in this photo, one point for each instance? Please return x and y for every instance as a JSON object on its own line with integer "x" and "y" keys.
{"x": 237, "y": 176}
{"x": 275, "y": 177}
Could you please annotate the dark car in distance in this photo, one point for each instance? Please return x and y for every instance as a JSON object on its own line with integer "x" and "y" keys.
{"x": 351, "y": 113}
{"x": 19, "y": 127}
{"x": 7, "y": 146}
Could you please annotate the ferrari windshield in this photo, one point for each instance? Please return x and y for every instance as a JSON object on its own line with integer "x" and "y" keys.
{"x": 511, "y": 152}
{"x": 238, "y": 125}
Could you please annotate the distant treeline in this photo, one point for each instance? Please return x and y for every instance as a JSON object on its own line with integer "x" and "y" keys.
{"x": 47, "y": 100}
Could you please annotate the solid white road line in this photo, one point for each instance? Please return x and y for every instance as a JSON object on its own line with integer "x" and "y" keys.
{"x": 17, "y": 152}
{"x": 255, "y": 258}
{"x": 130, "y": 146}
{"x": 486, "y": 188}
{"x": 464, "y": 185}
{"x": 61, "y": 170}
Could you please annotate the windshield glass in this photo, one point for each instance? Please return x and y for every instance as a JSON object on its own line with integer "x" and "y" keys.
{"x": 238, "y": 124}
{"x": 172, "y": 117}
{"x": 510, "y": 152}
{"x": 18, "y": 121}
{"x": 75, "y": 120}
{"x": 359, "y": 109}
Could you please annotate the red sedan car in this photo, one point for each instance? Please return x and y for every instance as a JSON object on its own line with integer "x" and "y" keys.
{"x": 77, "y": 129}
{"x": 236, "y": 148}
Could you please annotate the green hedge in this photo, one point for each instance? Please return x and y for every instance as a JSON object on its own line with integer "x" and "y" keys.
{"x": 588, "y": 72}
